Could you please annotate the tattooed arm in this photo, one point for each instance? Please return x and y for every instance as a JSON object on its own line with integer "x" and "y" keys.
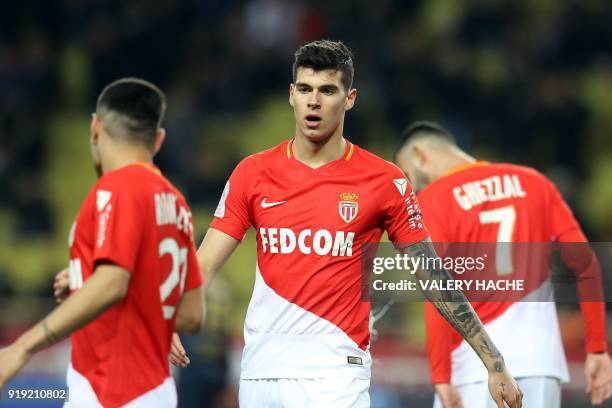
{"x": 455, "y": 308}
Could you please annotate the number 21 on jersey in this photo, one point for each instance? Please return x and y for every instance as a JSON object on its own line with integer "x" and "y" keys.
{"x": 168, "y": 246}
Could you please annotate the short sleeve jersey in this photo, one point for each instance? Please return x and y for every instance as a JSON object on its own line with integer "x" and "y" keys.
{"x": 133, "y": 218}
{"x": 306, "y": 317}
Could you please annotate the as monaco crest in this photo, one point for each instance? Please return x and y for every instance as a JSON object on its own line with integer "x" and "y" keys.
{"x": 348, "y": 206}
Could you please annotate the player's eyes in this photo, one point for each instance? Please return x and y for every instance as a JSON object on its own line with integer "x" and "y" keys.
{"x": 303, "y": 89}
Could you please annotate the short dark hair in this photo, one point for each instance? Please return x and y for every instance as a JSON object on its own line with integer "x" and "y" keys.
{"x": 139, "y": 105}
{"x": 326, "y": 54}
{"x": 424, "y": 129}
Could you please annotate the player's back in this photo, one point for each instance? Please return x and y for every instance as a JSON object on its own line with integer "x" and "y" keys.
{"x": 486, "y": 202}
{"x": 133, "y": 218}
{"x": 515, "y": 205}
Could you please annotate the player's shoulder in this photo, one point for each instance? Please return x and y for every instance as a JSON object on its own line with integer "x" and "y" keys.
{"x": 445, "y": 186}
{"x": 137, "y": 183}
{"x": 521, "y": 170}
{"x": 432, "y": 193}
{"x": 136, "y": 180}
{"x": 375, "y": 164}
{"x": 131, "y": 177}
{"x": 264, "y": 158}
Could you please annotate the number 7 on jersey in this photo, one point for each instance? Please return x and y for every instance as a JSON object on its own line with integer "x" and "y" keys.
{"x": 505, "y": 217}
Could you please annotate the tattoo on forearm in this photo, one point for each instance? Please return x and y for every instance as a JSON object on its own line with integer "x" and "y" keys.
{"x": 49, "y": 335}
{"x": 487, "y": 346}
{"x": 455, "y": 308}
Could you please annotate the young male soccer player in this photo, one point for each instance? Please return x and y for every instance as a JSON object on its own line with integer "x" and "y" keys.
{"x": 464, "y": 200}
{"x": 313, "y": 201}
{"x": 134, "y": 275}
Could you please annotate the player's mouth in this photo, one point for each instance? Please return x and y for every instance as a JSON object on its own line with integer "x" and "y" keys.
{"x": 312, "y": 121}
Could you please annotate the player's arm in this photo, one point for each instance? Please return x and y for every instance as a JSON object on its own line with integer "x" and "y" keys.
{"x": 107, "y": 286}
{"x": 190, "y": 314}
{"x": 439, "y": 334}
{"x": 455, "y": 308}
{"x": 215, "y": 250}
{"x": 232, "y": 219}
{"x": 579, "y": 257}
{"x": 227, "y": 229}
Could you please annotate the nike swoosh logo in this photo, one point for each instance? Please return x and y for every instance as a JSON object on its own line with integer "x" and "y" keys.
{"x": 264, "y": 204}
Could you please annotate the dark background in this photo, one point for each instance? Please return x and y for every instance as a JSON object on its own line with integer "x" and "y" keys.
{"x": 528, "y": 82}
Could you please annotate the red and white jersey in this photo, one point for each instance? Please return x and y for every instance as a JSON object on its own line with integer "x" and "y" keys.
{"x": 483, "y": 202}
{"x": 306, "y": 318}
{"x": 134, "y": 218}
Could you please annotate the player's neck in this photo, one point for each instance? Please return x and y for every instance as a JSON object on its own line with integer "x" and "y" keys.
{"x": 453, "y": 159}
{"x": 124, "y": 156}
{"x": 318, "y": 154}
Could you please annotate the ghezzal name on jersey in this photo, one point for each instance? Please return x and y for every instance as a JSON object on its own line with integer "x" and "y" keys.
{"x": 493, "y": 188}
{"x": 166, "y": 213}
{"x": 307, "y": 241}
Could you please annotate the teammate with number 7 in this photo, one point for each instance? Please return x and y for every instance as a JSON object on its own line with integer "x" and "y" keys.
{"x": 464, "y": 200}
{"x": 134, "y": 277}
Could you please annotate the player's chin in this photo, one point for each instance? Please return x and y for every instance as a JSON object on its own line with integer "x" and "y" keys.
{"x": 316, "y": 135}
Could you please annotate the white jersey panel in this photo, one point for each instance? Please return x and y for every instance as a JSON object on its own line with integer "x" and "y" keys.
{"x": 527, "y": 334}
{"x": 283, "y": 340}
{"x": 82, "y": 395}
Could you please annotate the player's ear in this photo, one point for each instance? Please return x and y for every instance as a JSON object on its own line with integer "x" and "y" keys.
{"x": 420, "y": 157}
{"x": 291, "y": 91}
{"x": 159, "y": 140}
{"x": 94, "y": 129}
{"x": 350, "y": 99}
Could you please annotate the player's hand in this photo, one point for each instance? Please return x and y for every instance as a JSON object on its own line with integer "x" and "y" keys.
{"x": 12, "y": 359}
{"x": 449, "y": 395}
{"x": 504, "y": 388}
{"x": 178, "y": 356}
{"x": 598, "y": 372}
{"x": 60, "y": 285}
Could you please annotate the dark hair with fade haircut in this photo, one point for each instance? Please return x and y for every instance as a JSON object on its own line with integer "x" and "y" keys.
{"x": 423, "y": 129}
{"x": 135, "y": 109}
{"x": 326, "y": 54}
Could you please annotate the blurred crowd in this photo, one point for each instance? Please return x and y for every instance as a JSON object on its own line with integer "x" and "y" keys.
{"x": 528, "y": 81}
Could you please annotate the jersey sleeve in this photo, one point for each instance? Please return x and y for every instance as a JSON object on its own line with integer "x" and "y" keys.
{"x": 562, "y": 218}
{"x": 119, "y": 223}
{"x": 578, "y": 256}
{"x": 439, "y": 344}
{"x": 232, "y": 213}
{"x": 402, "y": 216}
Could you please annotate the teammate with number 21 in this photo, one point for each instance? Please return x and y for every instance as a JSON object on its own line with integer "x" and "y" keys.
{"x": 134, "y": 277}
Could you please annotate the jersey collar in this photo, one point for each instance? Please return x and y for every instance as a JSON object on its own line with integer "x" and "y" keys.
{"x": 348, "y": 152}
{"x": 466, "y": 166}
{"x": 149, "y": 166}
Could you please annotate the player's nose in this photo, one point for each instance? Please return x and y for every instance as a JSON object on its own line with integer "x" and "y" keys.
{"x": 314, "y": 99}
